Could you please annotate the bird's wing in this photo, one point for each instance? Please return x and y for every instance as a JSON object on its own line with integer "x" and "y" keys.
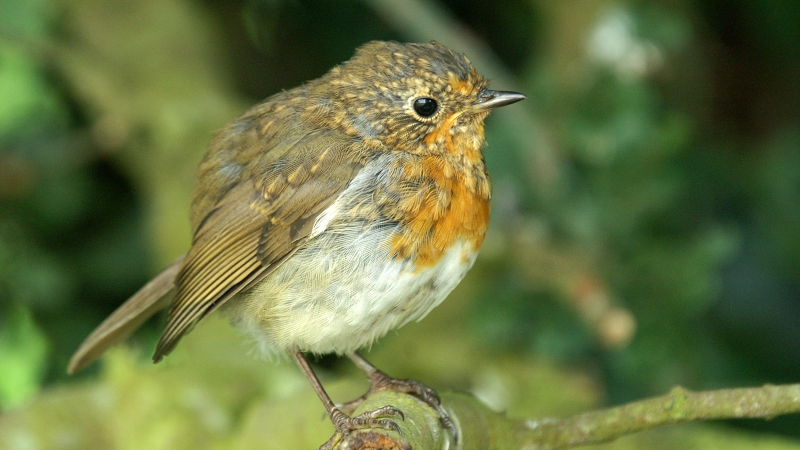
{"x": 258, "y": 216}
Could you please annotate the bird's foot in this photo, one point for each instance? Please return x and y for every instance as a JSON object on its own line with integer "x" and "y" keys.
{"x": 346, "y": 424}
{"x": 379, "y": 381}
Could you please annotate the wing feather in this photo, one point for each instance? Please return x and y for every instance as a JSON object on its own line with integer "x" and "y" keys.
{"x": 258, "y": 220}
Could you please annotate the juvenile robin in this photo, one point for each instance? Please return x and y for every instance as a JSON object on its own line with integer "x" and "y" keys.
{"x": 332, "y": 213}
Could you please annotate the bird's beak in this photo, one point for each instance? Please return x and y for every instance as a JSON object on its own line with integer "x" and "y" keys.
{"x": 489, "y": 99}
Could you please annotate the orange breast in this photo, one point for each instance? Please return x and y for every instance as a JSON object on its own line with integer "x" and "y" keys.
{"x": 448, "y": 203}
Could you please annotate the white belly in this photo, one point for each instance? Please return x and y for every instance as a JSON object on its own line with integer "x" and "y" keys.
{"x": 325, "y": 301}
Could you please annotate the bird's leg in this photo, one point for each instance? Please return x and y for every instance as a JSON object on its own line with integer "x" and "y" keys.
{"x": 341, "y": 421}
{"x": 380, "y": 381}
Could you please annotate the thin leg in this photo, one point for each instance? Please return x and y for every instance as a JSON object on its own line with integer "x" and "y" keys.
{"x": 344, "y": 423}
{"x": 378, "y": 380}
{"x": 315, "y": 383}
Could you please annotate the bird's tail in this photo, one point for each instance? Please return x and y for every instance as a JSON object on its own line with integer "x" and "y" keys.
{"x": 150, "y": 299}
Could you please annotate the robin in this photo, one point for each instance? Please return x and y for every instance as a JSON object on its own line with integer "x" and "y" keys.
{"x": 332, "y": 213}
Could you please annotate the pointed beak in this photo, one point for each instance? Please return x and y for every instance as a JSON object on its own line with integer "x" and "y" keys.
{"x": 489, "y": 99}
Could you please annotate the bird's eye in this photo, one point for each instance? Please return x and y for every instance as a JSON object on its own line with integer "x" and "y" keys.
{"x": 425, "y": 106}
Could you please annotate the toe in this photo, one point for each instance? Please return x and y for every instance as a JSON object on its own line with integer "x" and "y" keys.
{"x": 370, "y": 419}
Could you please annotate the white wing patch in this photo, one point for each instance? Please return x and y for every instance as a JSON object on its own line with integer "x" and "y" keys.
{"x": 324, "y": 219}
{"x": 321, "y": 224}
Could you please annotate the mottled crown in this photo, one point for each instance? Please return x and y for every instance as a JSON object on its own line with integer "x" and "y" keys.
{"x": 372, "y": 95}
{"x": 431, "y": 62}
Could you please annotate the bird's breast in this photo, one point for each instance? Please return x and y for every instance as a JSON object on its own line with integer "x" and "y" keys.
{"x": 449, "y": 204}
{"x": 392, "y": 246}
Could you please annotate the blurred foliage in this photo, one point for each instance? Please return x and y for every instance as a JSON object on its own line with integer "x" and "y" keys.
{"x": 23, "y": 353}
{"x": 646, "y": 204}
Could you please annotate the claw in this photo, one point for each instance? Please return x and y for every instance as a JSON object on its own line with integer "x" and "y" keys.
{"x": 380, "y": 381}
{"x": 428, "y": 395}
{"x": 390, "y": 425}
{"x": 346, "y": 424}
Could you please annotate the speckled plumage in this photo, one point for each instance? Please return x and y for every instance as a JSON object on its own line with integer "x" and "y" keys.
{"x": 331, "y": 213}
{"x": 422, "y": 188}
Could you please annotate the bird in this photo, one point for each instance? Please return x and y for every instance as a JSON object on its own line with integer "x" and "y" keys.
{"x": 331, "y": 213}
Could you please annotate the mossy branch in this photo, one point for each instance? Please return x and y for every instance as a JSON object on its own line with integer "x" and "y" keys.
{"x": 481, "y": 428}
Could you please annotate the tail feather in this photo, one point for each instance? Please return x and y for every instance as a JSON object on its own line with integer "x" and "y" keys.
{"x": 150, "y": 299}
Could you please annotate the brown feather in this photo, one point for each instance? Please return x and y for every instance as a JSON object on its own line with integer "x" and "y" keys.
{"x": 259, "y": 216}
{"x": 150, "y": 299}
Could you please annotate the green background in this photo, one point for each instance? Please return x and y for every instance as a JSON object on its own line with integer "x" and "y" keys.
{"x": 645, "y": 227}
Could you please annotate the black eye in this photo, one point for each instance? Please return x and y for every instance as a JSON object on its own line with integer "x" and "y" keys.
{"x": 425, "y": 106}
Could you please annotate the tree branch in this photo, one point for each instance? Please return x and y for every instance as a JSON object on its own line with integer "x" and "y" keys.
{"x": 678, "y": 406}
{"x": 480, "y": 428}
